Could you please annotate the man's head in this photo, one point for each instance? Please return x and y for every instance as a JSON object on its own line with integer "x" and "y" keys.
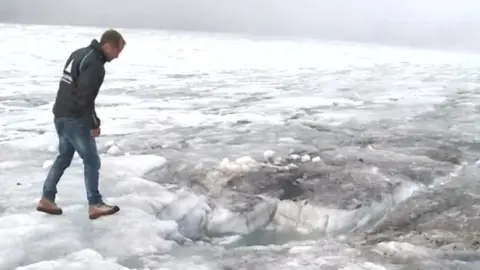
{"x": 112, "y": 44}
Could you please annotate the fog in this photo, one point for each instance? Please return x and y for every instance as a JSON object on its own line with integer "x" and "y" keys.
{"x": 427, "y": 23}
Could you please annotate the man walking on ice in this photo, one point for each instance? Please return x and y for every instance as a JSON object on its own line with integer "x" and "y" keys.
{"x": 77, "y": 124}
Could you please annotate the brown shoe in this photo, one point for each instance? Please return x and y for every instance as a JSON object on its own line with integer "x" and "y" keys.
{"x": 49, "y": 207}
{"x": 96, "y": 211}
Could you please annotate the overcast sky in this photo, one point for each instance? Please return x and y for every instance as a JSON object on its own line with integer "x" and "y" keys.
{"x": 431, "y": 23}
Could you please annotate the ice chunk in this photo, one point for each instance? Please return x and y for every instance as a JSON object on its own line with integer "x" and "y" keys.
{"x": 226, "y": 222}
{"x": 138, "y": 165}
{"x": 132, "y": 232}
{"x": 47, "y": 141}
{"x": 278, "y": 161}
{"x": 307, "y": 218}
{"x": 246, "y": 163}
{"x": 23, "y": 239}
{"x": 241, "y": 164}
{"x": 295, "y": 157}
{"x": 299, "y": 249}
{"x": 190, "y": 211}
{"x": 10, "y": 164}
{"x": 289, "y": 140}
{"x": 305, "y": 158}
{"x": 403, "y": 250}
{"x": 364, "y": 266}
{"x": 268, "y": 155}
{"x": 109, "y": 144}
{"x": 114, "y": 150}
{"x": 52, "y": 148}
{"x": 81, "y": 260}
{"x": 47, "y": 164}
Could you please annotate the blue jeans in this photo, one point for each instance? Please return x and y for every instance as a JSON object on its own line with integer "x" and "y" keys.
{"x": 74, "y": 136}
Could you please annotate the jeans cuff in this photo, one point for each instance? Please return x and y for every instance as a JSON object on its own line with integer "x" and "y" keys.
{"x": 94, "y": 201}
{"x": 49, "y": 196}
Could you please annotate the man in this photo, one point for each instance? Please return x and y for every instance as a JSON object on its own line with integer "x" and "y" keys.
{"x": 77, "y": 124}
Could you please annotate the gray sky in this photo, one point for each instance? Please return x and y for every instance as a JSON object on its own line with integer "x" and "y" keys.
{"x": 431, "y": 23}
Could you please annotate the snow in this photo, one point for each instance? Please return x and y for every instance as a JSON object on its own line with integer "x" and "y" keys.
{"x": 165, "y": 87}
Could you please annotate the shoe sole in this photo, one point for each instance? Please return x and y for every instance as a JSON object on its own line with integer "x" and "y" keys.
{"x": 50, "y": 211}
{"x": 112, "y": 211}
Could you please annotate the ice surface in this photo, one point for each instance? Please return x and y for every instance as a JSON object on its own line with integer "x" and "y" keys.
{"x": 222, "y": 150}
{"x": 74, "y": 232}
{"x": 84, "y": 259}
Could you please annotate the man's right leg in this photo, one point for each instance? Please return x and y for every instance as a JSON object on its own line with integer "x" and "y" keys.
{"x": 62, "y": 162}
{"x": 85, "y": 145}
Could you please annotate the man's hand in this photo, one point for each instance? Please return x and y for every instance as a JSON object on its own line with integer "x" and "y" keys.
{"x": 95, "y": 132}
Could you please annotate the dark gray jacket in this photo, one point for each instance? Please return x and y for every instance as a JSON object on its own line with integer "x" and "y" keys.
{"x": 82, "y": 78}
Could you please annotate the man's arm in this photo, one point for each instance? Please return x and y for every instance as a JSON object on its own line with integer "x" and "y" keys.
{"x": 88, "y": 84}
{"x": 99, "y": 122}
